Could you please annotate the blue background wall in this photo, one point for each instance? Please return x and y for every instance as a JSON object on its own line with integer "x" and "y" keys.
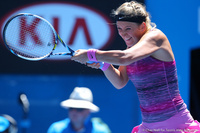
{"x": 118, "y": 108}
{"x": 180, "y": 21}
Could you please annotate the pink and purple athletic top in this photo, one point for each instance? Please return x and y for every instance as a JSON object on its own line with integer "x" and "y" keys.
{"x": 157, "y": 88}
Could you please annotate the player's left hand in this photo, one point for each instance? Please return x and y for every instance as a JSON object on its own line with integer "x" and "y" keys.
{"x": 94, "y": 65}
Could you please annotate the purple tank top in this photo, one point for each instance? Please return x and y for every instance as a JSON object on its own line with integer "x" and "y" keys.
{"x": 157, "y": 88}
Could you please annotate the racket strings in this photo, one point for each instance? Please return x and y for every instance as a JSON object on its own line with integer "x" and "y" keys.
{"x": 25, "y": 29}
{"x": 30, "y": 37}
{"x": 23, "y": 53}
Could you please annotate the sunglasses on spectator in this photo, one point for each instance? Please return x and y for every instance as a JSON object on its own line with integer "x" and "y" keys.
{"x": 77, "y": 109}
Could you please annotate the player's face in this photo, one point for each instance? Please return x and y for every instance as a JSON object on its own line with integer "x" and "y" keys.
{"x": 130, "y": 32}
{"x": 78, "y": 116}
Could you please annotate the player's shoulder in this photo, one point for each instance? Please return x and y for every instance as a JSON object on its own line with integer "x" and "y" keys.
{"x": 157, "y": 34}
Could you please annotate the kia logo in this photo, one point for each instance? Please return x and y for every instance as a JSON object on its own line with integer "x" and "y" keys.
{"x": 79, "y": 26}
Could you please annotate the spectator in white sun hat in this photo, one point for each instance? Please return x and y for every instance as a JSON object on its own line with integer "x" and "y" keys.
{"x": 80, "y": 106}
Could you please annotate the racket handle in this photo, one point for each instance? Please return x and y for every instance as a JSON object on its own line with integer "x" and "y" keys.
{"x": 103, "y": 66}
{"x": 101, "y": 63}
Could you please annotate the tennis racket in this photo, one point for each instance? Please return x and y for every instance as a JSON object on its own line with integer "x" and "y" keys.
{"x": 31, "y": 37}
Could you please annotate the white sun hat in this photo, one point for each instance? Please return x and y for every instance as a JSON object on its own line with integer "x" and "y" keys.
{"x": 81, "y": 97}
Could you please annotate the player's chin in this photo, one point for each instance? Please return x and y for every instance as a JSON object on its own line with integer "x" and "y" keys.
{"x": 129, "y": 46}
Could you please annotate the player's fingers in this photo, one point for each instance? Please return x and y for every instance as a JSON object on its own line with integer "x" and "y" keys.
{"x": 75, "y": 56}
{"x": 93, "y": 65}
{"x": 76, "y": 53}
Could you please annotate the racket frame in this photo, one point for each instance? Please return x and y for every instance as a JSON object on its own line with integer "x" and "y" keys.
{"x": 57, "y": 38}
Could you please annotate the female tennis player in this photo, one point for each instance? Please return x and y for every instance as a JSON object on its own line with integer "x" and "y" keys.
{"x": 149, "y": 63}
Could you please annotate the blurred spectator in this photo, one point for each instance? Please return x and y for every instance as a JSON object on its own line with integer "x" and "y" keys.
{"x": 7, "y": 124}
{"x": 79, "y": 105}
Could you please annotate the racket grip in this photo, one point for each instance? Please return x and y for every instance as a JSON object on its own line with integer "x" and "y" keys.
{"x": 103, "y": 65}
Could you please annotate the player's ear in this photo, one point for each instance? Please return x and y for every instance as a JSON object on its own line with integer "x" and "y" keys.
{"x": 143, "y": 26}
